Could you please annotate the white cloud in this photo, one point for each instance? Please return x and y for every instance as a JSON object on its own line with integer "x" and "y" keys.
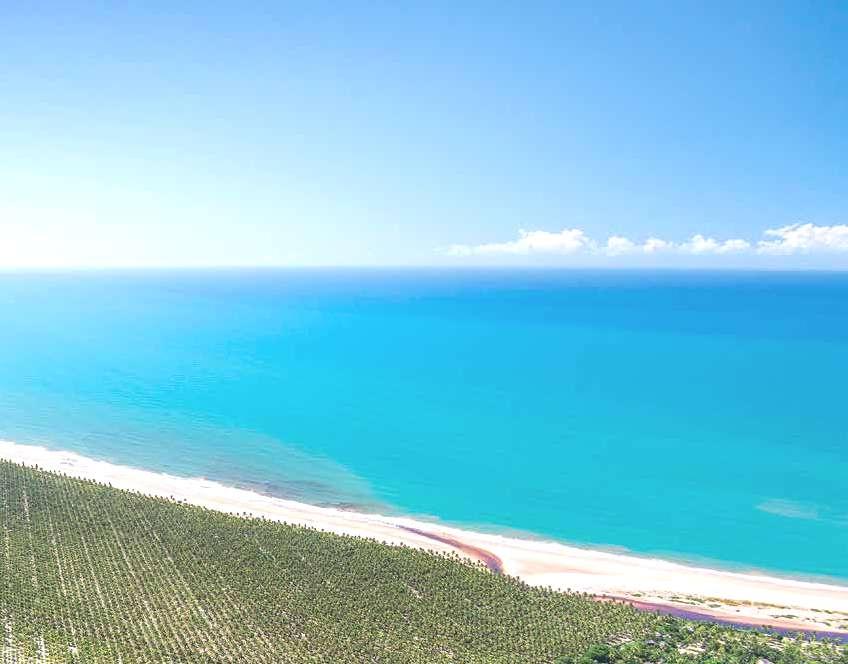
{"x": 655, "y": 245}
{"x": 566, "y": 241}
{"x": 618, "y": 245}
{"x": 734, "y": 246}
{"x": 793, "y": 239}
{"x": 804, "y": 239}
{"x": 699, "y": 244}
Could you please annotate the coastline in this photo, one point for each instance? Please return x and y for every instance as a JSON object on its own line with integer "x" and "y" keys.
{"x": 648, "y": 583}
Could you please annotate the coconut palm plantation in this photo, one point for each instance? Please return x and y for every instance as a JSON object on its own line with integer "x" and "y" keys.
{"x": 90, "y": 573}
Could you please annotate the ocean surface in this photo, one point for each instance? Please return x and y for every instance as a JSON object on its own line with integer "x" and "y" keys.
{"x": 693, "y": 415}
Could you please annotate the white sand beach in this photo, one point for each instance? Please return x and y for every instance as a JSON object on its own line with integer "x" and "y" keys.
{"x": 749, "y": 598}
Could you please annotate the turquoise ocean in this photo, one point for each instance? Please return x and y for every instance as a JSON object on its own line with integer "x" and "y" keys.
{"x": 692, "y": 415}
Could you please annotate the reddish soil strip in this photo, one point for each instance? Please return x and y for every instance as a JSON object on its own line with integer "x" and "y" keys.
{"x": 490, "y": 559}
{"x": 706, "y": 615}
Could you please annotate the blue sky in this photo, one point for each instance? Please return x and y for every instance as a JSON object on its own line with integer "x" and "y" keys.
{"x": 393, "y": 133}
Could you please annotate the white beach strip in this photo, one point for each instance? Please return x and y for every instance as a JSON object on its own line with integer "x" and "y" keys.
{"x": 740, "y": 596}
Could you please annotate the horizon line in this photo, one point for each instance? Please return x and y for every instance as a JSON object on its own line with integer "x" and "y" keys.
{"x": 18, "y": 269}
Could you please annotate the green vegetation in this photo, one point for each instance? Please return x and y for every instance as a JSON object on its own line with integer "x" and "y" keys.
{"x": 94, "y": 574}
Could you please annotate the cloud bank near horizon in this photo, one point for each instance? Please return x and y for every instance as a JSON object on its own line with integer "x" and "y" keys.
{"x": 794, "y": 239}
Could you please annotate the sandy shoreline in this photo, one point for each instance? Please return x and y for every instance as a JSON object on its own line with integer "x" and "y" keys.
{"x": 746, "y": 598}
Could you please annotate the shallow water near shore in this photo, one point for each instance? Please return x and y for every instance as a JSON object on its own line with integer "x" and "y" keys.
{"x": 693, "y": 415}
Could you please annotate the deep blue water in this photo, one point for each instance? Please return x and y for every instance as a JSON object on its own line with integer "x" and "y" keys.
{"x": 695, "y": 415}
